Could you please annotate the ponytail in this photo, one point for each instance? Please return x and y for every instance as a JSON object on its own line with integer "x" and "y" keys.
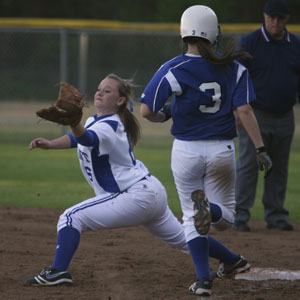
{"x": 207, "y": 52}
{"x": 130, "y": 122}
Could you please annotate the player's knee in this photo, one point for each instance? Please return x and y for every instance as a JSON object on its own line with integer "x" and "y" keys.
{"x": 66, "y": 220}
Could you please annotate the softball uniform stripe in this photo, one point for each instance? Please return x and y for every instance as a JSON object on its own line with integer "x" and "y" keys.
{"x": 156, "y": 92}
{"x": 175, "y": 86}
{"x": 86, "y": 205}
{"x": 240, "y": 71}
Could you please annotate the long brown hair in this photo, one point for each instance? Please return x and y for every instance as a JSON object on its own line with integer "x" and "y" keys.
{"x": 130, "y": 122}
{"x": 208, "y": 53}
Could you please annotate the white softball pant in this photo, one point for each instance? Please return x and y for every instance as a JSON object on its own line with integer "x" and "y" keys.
{"x": 209, "y": 166}
{"x": 144, "y": 204}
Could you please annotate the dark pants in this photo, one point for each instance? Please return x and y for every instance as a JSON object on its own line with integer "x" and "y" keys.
{"x": 277, "y": 131}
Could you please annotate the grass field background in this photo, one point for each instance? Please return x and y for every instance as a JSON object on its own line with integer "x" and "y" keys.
{"x": 52, "y": 179}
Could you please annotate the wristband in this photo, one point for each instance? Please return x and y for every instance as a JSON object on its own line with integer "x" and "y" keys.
{"x": 260, "y": 149}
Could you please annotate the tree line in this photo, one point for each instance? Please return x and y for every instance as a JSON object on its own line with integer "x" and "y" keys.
{"x": 169, "y": 11}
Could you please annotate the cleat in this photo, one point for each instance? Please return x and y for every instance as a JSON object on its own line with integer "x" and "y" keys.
{"x": 202, "y": 218}
{"x": 228, "y": 271}
{"x": 201, "y": 287}
{"x": 50, "y": 277}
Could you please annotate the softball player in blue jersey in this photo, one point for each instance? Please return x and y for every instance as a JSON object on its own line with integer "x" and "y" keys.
{"x": 126, "y": 194}
{"x": 207, "y": 90}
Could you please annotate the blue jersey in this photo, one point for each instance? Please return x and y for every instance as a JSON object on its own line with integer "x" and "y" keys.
{"x": 203, "y": 96}
{"x": 108, "y": 164}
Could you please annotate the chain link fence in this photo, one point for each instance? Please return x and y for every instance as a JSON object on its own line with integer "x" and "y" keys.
{"x": 34, "y": 60}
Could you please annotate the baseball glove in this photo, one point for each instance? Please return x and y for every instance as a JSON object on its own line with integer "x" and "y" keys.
{"x": 67, "y": 109}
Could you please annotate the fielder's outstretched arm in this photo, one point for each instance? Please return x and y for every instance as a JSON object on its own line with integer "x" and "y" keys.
{"x": 62, "y": 142}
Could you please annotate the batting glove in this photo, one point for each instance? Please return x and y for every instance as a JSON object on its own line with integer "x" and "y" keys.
{"x": 166, "y": 110}
{"x": 263, "y": 160}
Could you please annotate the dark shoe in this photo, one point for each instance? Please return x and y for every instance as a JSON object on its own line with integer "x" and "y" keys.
{"x": 228, "y": 271}
{"x": 241, "y": 226}
{"x": 202, "y": 218}
{"x": 51, "y": 277}
{"x": 201, "y": 287}
{"x": 281, "y": 225}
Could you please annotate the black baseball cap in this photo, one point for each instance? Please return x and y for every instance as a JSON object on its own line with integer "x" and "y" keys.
{"x": 277, "y": 7}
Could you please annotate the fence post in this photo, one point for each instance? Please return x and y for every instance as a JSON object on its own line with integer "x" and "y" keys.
{"x": 63, "y": 62}
{"x": 83, "y": 57}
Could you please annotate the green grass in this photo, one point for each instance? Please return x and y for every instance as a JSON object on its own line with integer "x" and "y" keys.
{"x": 53, "y": 179}
{"x": 37, "y": 178}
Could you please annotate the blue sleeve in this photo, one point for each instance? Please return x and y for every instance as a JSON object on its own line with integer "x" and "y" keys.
{"x": 88, "y": 139}
{"x": 244, "y": 91}
{"x": 73, "y": 141}
{"x": 157, "y": 91}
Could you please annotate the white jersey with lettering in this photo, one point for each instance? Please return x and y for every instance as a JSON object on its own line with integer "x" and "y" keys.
{"x": 110, "y": 166}
{"x": 126, "y": 194}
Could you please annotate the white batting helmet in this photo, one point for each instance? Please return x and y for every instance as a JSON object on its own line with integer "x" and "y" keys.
{"x": 199, "y": 21}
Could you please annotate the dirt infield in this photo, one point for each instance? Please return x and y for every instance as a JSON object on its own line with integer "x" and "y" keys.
{"x": 131, "y": 264}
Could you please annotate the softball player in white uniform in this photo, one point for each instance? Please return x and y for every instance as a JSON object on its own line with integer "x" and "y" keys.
{"x": 126, "y": 194}
{"x": 206, "y": 88}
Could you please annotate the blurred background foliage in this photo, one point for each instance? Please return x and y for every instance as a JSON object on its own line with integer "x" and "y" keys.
{"x": 229, "y": 11}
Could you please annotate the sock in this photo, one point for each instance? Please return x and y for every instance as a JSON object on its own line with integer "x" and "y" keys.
{"x": 67, "y": 242}
{"x": 199, "y": 251}
{"x": 215, "y": 212}
{"x": 220, "y": 252}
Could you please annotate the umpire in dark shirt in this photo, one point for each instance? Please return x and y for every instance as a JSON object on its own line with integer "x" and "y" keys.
{"x": 275, "y": 72}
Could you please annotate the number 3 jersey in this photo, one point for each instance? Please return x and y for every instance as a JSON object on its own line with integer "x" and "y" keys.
{"x": 108, "y": 164}
{"x": 203, "y": 96}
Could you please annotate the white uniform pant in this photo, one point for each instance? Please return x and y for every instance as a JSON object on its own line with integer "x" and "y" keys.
{"x": 209, "y": 166}
{"x": 144, "y": 204}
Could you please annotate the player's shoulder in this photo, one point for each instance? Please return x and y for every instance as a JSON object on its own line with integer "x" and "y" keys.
{"x": 90, "y": 120}
{"x": 176, "y": 61}
{"x": 112, "y": 121}
{"x": 239, "y": 68}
